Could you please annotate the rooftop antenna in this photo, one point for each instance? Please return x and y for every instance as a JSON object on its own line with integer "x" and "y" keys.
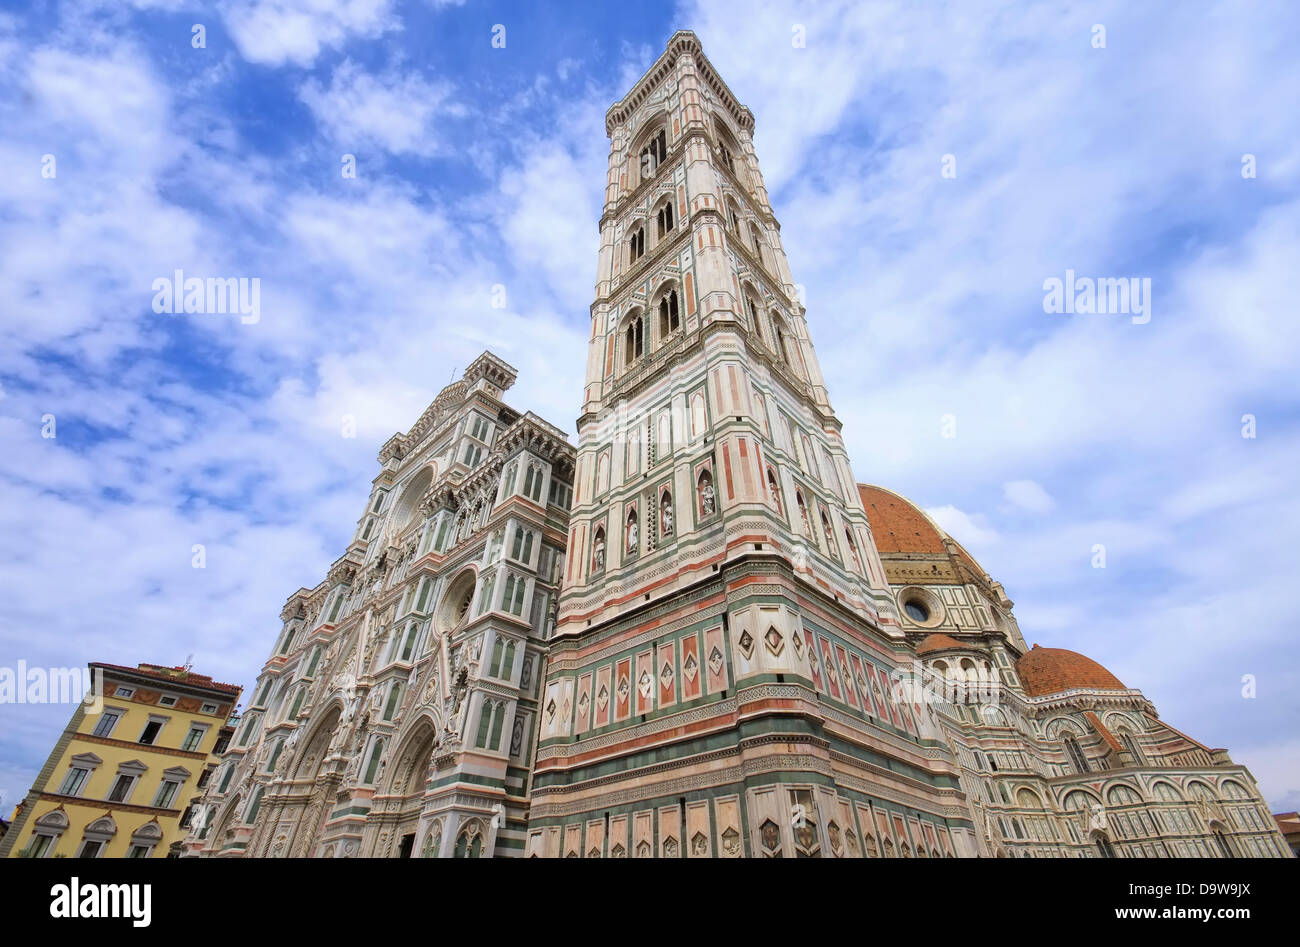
{"x": 189, "y": 662}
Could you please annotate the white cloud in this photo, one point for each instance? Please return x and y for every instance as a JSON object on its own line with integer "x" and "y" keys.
{"x": 276, "y": 32}
{"x": 395, "y": 111}
{"x": 968, "y": 530}
{"x": 1028, "y": 495}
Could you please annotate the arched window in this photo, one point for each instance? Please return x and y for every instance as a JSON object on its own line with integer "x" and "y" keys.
{"x": 1225, "y": 850}
{"x": 1233, "y": 790}
{"x": 1075, "y": 753}
{"x": 636, "y": 245}
{"x": 1077, "y": 802}
{"x": 733, "y": 216}
{"x": 853, "y": 550}
{"x": 634, "y": 343}
{"x": 254, "y": 806}
{"x": 432, "y": 842}
{"x": 778, "y": 330}
{"x": 1165, "y": 792}
{"x": 394, "y": 701}
{"x": 756, "y": 239}
{"x": 96, "y": 837}
{"x": 653, "y": 154}
{"x": 755, "y": 323}
{"x": 45, "y": 834}
{"x": 469, "y": 843}
{"x": 803, "y": 513}
{"x": 1131, "y": 744}
{"x": 145, "y": 839}
{"x": 669, "y": 319}
{"x": 1103, "y": 845}
{"x": 666, "y": 522}
{"x": 665, "y": 218}
{"x": 829, "y": 533}
{"x": 598, "y": 550}
{"x": 372, "y": 768}
{"x": 773, "y": 491}
{"x": 1122, "y": 796}
{"x": 708, "y": 504}
{"x": 631, "y": 540}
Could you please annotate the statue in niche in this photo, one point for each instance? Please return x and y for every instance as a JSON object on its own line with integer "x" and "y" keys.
{"x": 457, "y": 695}
{"x": 599, "y": 557}
{"x": 1097, "y": 821}
{"x": 708, "y": 501}
{"x": 667, "y": 516}
{"x": 632, "y": 535}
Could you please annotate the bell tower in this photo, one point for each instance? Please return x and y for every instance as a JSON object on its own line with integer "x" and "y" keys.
{"x": 725, "y": 631}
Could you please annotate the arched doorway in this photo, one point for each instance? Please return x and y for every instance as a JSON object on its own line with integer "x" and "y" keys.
{"x": 306, "y": 769}
{"x": 409, "y": 775}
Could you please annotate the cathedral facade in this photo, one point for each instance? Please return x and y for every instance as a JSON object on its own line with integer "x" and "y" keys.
{"x": 399, "y": 701}
{"x": 694, "y": 635}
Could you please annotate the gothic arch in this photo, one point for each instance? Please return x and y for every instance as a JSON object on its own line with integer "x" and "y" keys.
{"x": 668, "y": 310}
{"x": 312, "y": 754}
{"x": 648, "y": 141}
{"x": 664, "y": 214}
{"x": 782, "y": 341}
{"x": 1162, "y": 787}
{"x": 471, "y": 840}
{"x": 1077, "y": 799}
{"x": 1232, "y": 789}
{"x": 753, "y": 305}
{"x": 632, "y": 332}
{"x": 1058, "y": 727}
{"x": 1102, "y": 841}
{"x": 415, "y": 746}
{"x": 1118, "y": 791}
{"x": 223, "y": 823}
{"x": 735, "y": 218}
{"x": 457, "y": 600}
{"x": 406, "y": 512}
{"x": 634, "y": 239}
{"x": 1028, "y": 798}
{"x": 1118, "y": 718}
{"x": 730, "y": 153}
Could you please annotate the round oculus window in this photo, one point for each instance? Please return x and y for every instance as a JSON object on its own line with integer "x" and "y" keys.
{"x": 916, "y": 610}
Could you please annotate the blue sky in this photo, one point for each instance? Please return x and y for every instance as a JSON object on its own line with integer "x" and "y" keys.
{"x": 480, "y": 166}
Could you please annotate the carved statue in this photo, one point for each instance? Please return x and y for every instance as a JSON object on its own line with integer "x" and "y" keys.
{"x": 599, "y": 557}
{"x": 1097, "y": 819}
{"x": 631, "y": 536}
{"x": 707, "y": 499}
{"x": 458, "y": 693}
{"x": 668, "y": 519}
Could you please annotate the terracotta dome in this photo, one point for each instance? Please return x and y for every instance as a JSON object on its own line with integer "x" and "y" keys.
{"x": 939, "y": 642}
{"x": 900, "y": 527}
{"x": 1053, "y": 670}
{"x": 897, "y": 525}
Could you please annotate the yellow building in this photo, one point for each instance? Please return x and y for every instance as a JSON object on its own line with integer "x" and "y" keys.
{"x": 121, "y": 778}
